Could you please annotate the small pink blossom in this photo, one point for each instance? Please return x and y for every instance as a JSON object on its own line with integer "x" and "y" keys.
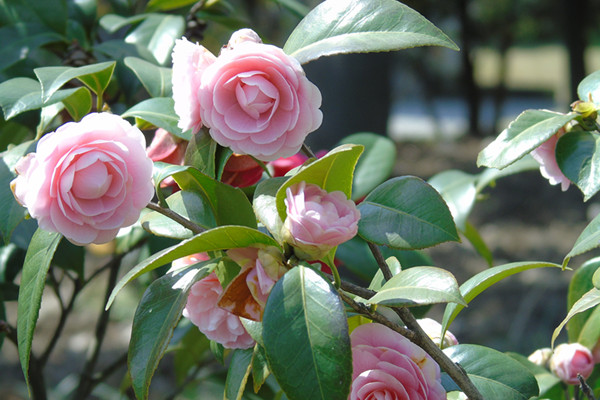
{"x": 545, "y": 155}
{"x": 254, "y": 98}
{"x": 318, "y": 220}
{"x": 88, "y": 179}
{"x": 570, "y": 359}
{"x": 433, "y": 329}
{"x": 386, "y": 365}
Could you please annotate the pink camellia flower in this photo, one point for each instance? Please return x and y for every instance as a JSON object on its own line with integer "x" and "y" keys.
{"x": 216, "y": 323}
{"x": 545, "y": 155}
{"x": 241, "y": 171}
{"x": 386, "y": 365}
{"x": 283, "y": 165}
{"x": 433, "y": 329}
{"x": 317, "y": 220}
{"x": 570, "y": 359}
{"x": 168, "y": 148}
{"x": 87, "y": 179}
{"x": 254, "y": 98}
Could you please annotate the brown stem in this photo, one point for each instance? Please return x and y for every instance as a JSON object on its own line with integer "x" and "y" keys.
{"x": 421, "y": 339}
{"x": 585, "y": 388}
{"x": 307, "y": 151}
{"x": 196, "y": 229}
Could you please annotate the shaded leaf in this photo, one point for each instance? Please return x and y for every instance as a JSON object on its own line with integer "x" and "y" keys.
{"x": 156, "y": 80}
{"x": 264, "y": 204}
{"x": 238, "y": 373}
{"x": 578, "y": 156}
{"x": 157, "y": 33}
{"x": 406, "y": 213}
{"x": 587, "y": 301}
{"x": 588, "y": 239}
{"x": 589, "y": 88}
{"x": 159, "y": 112}
{"x": 359, "y": 26}
{"x": 458, "y": 191}
{"x": 580, "y": 284}
{"x": 95, "y": 76}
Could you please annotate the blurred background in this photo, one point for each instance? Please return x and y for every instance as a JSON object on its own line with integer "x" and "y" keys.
{"x": 441, "y": 108}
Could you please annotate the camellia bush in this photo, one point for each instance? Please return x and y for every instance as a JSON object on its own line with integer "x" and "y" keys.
{"x": 301, "y": 274}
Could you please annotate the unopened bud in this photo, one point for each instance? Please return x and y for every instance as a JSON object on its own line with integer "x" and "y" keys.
{"x": 433, "y": 329}
{"x": 570, "y": 360}
{"x": 541, "y": 357}
{"x": 587, "y": 109}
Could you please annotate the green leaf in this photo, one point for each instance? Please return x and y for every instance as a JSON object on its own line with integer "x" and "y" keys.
{"x": 11, "y": 213}
{"x": 221, "y": 238}
{"x": 21, "y": 41}
{"x": 159, "y": 112}
{"x": 483, "y": 280}
{"x": 165, "y": 5}
{"x": 419, "y": 286}
{"x": 580, "y": 284}
{"x": 157, "y": 33}
{"x": 305, "y": 330}
{"x": 375, "y": 164}
{"x": 33, "y": 280}
{"x": 114, "y": 22}
{"x": 406, "y": 213}
{"x": 587, "y": 301}
{"x": 578, "y": 156}
{"x": 591, "y": 330}
{"x": 156, "y": 80}
{"x": 477, "y": 242}
{"x": 596, "y": 280}
{"x": 238, "y": 373}
{"x": 360, "y": 26}
{"x": 589, "y": 88}
{"x": 95, "y": 76}
{"x": 545, "y": 379}
{"x": 155, "y": 319}
{"x": 260, "y": 368}
{"x": 527, "y": 132}
{"x": 51, "y": 14}
{"x": 187, "y": 204}
{"x": 495, "y": 375}
{"x": 458, "y": 191}
{"x": 264, "y": 205}
{"x": 78, "y": 104}
{"x": 491, "y": 175}
{"x": 331, "y": 172}
{"x": 201, "y": 153}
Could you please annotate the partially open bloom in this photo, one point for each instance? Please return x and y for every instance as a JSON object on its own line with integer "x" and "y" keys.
{"x": 570, "y": 359}
{"x": 545, "y": 155}
{"x": 541, "y": 357}
{"x": 254, "y": 98}
{"x": 241, "y": 171}
{"x": 216, "y": 323}
{"x": 88, "y": 179}
{"x": 386, "y": 365}
{"x": 433, "y": 329}
{"x": 318, "y": 220}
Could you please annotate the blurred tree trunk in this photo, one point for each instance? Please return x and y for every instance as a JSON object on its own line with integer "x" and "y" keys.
{"x": 471, "y": 90}
{"x": 575, "y": 24}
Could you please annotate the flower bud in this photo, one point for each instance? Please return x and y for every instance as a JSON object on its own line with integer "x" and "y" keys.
{"x": 541, "y": 357}
{"x": 570, "y": 359}
{"x": 433, "y": 329}
{"x": 587, "y": 109}
{"x": 317, "y": 220}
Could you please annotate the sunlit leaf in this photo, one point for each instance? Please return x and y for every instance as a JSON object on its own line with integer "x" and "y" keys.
{"x": 159, "y": 112}
{"x": 587, "y": 301}
{"x": 95, "y": 76}
{"x": 578, "y": 156}
{"x": 155, "y": 79}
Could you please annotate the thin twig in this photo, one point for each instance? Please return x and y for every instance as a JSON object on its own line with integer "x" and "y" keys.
{"x": 196, "y": 229}
{"x": 307, "y": 151}
{"x": 585, "y": 388}
{"x": 385, "y": 269}
{"x": 110, "y": 369}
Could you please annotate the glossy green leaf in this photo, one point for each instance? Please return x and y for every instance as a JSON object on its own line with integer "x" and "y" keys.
{"x": 157, "y": 33}
{"x": 78, "y": 104}
{"x": 264, "y": 204}
{"x": 52, "y": 14}
{"x": 155, "y": 319}
{"x": 165, "y": 5}
{"x": 305, "y": 329}
{"x": 189, "y": 350}
{"x": 189, "y": 205}
{"x": 360, "y": 26}
{"x": 333, "y": 171}
{"x": 260, "y": 368}
{"x": 419, "y": 286}
{"x": 590, "y": 333}
{"x": 114, "y": 22}
{"x": 483, "y": 280}
{"x": 478, "y": 244}
{"x": 296, "y": 7}
{"x": 578, "y": 156}
{"x": 589, "y": 88}
{"x": 406, "y": 213}
{"x": 596, "y": 280}
{"x": 201, "y": 153}
{"x": 95, "y": 76}
{"x": 375, "y": 164}
{"x": 33, "y": 280}
{"x": 22, "y": 40}
{"x": 155, "y": 79}
{"x": 580, "y": 284}
{"x": 11, "y": 213}
{"x": 587, "y": 301}
{"x": 238, "y": 373}
{"x": 230, "y": 205}
{"x": 491, "y": 175}
{"x": 545, "y": 379}
{"x": 221, "y": 238}
{"x": 458, "y": 191}
{"x": 494, "y": 374}
{"x": 528, "y": 131}
{"x": 159, "y": 112}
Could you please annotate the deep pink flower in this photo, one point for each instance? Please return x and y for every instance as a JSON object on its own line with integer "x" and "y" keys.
{"x": 87, "y": 179}
{"x": 570, "y": 359}
{"x": 386, "y": 365}
{"x": 545, "y": 155}
{"x": 241, "y": 171}
{"x": 317, "y": 220}
{"x": 254, "y": 98}
{"x": 168, "y": 148}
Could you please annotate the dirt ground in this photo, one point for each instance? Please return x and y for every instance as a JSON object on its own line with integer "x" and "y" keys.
{"x": 522, "y": 218}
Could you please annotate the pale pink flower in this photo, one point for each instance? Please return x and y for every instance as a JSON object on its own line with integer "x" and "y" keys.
{"x": 570, "y": 359}
{"x": 545, "y": 155}
{"x": 541, "y": 357}
{"x": 386, "y": 365}
{"x": 318, "y": 220}
{"x": 254, "y": 98}
{"x": 87, "y": 179}
{"x": 216, "y": 323}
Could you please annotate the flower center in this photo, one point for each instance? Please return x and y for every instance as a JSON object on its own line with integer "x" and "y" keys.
{"x": 255, "y": 95}
{"x": 92, "y": 181}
